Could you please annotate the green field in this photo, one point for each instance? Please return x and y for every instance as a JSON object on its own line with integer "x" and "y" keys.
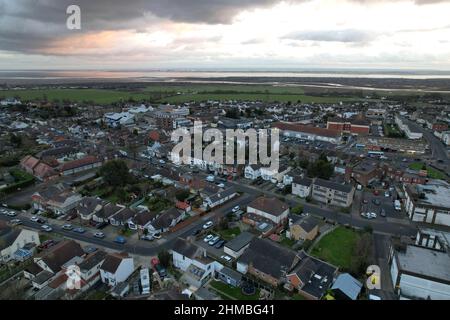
{"x": 432, "y": 173}
{"x": 98, "y": 96}
{"x": 337, "y": 247}
{"x": 177, "y": 94}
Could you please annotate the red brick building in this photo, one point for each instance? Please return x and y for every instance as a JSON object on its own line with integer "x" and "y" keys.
{"x": 440, "y": 126}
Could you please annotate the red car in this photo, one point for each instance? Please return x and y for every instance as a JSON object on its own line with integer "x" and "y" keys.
{"x": 47, "y": 244}
{"x": 376, "y": 192}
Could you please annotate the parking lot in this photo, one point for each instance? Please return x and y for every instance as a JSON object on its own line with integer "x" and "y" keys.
{"x": 376, "y": 203}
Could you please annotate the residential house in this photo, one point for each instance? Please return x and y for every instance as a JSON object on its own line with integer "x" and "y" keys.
{"x": 311, "y": 277}
{"x": 142, "y": 220}
{"x": 166, "y": 220}
{"x": 55, "y": 257}
{"x": 309, "y": 132}
{"x": 89, "y": 206}
{"x": 269, "y": 208}
{"x": 116, "y": 268}
{"x": 267, "y": 261}
{"x": 122, "y": 217}
{"x": 301, "y": 187}
{"x": 12, "y": 240}
{"x": 303, "y": 228}
{"x": 106, "y": 213}
{"x": 220, "y": 197}
{"x": 57, "y": 198}
{"x": 198, "y": 268}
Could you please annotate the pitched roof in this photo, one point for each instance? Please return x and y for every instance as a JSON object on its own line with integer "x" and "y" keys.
{"x": 89, "y": 205}
{"x": 269, "y": 257}
{"x": 166, "y": 218}
{"x": 108, "y": 210}
{"x": 112, "y": 261}
{"x": 124, "y": 214}
{"x": 307, "y": 182}
{"x": 185, "y": 248}
{"x": 308, "y": 223}
{"x": 240, "y": 241}
{"x": 143, "y": 218}
{"x": 61, "y": 253}
{"x": 92, "y": 260}
{"x": 7, "y": 235}
{"x": 29, "y": 162}
{"x": 270, "y": 205}
{"x": 79, "y": 163}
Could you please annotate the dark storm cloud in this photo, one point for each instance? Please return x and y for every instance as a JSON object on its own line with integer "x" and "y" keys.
{"x": 29, "y": 25}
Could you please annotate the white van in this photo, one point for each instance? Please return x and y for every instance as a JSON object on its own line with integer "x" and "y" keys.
{"x": 397, "y": 205}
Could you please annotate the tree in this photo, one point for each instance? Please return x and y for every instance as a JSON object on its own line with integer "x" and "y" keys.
{"x": 182, "y": 195}
{"x": 115, "y": 173}
{"x": 297, "y": 210}
{"x": 164, "y": 258}
{"x": 15, "y": 140}
{"x": 361, "y": 254}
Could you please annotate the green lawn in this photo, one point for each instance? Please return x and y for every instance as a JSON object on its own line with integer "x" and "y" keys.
{"x": 337, "y": 247}
{"x": 432, "y": 173}
{"x": 232, "y": 292}
{"x": 392, "y": 130}
{"x": 229, "y": 233}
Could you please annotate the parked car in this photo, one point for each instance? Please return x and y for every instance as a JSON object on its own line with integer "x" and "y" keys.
{"x": 235, "y": 209}
{"x": 11, "y": 214}
{"x": 120, "y": 240}
{"x": 376, "y": 202}
{"x": 214, "y": 240}
{"x": 34, "y": 219}
{"x": 365, "y": 201}
{"x": 387, "y": 194}
{"x": 79, "y": 230}
{"x": 67, "y": 227}
{"x": 376, "y": 192}
{"x": 156, "y": 235}
{"x": 207, "y": 225}
{"x": 383, "y": 213}
{"x": 90, "y": 249}
{"x": 47, "y": 244}
{"x": 196, "y": 232}
{"x": 41, "y": 220}
{"x": 226, "y": 258}
{"x": 99, "y": 235}
{"x": 221, "y": 185}
{"x": 47, "y": 228}
{"x": 147, "y": 238}
{"x": 208, "y": 238}
{"x": 15, "y": 222}
{"x": 219, "y": 244}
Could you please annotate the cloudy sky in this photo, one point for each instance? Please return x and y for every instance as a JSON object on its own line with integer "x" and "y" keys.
{"x": 232, "y": 34}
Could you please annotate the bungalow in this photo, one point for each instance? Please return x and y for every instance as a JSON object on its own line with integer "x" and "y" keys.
{"x": 122, "y": 217}
{"x": 108, "y": 211}
{"x": 75, "y": 166}
{"x": 89, "y": 206}
{"x": 269, "y": 208}
{"x": 141, "y": 220}
{"x": 165, "y": 221}
{"x": 12, "y": 240}
{"x": 192, "y": 260}
{"x": 311, "y": 277}
{"x": 219, "y": 198}
{"x": 310, "y": 133}
{"x": 57, "y": 198}
{"x": 54, "y": 258}
{"x": 303, "y": 228}
{"x": 116, "y": 268}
